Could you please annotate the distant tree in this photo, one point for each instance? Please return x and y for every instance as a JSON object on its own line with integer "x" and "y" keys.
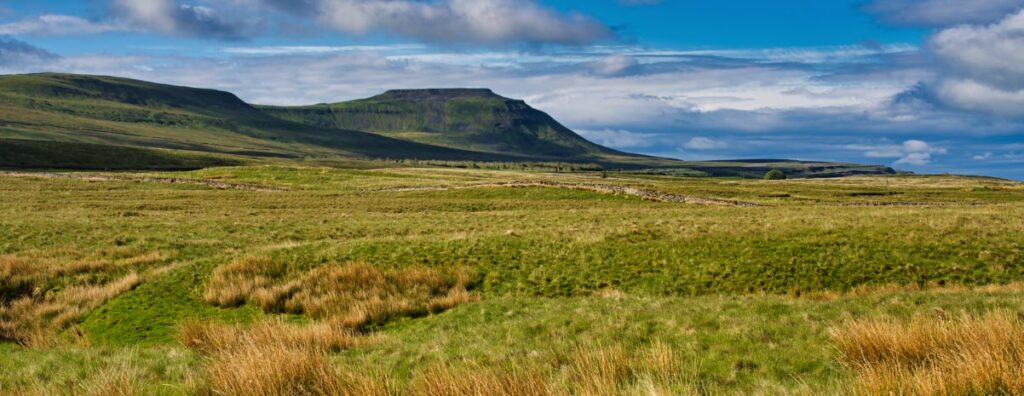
{"x": 775, "y": 174}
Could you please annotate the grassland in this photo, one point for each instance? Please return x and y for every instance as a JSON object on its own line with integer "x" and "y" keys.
{"x": 453, "y": 281}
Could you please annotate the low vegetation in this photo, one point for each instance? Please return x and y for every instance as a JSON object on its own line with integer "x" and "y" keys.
{"x": 936, "y": 354}
{"x": 352, "y": 295}
{"x": 445, "y": 281}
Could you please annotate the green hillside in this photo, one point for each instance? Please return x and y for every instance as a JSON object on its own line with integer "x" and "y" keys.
{"x": 471, "y": 119}
{"x": 123, "y": 112}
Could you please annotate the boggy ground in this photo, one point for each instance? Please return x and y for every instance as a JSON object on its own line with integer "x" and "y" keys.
{"x": 443, "y": 281}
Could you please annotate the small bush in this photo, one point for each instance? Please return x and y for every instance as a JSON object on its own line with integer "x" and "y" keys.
{"x": 775, "y": 174}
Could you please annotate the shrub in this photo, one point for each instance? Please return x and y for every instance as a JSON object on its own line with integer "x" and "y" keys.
{"x": 775, "y": 174}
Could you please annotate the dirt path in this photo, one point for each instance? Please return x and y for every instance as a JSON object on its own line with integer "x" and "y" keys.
{"x": 650, "y": 195}
{"x": 146, "y": 179}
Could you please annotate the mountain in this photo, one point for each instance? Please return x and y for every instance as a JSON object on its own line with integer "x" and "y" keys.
{"x": 122, "y": 112}
{"x": 95, "y": 122}
{"x": 469, "y": 119}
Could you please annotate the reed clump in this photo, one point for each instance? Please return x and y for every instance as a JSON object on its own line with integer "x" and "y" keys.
{"x": 353, "y": 295}
{"x": 936, "y": 354}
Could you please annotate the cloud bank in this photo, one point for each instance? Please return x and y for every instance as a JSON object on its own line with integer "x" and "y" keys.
{"x": 487, "y": 22}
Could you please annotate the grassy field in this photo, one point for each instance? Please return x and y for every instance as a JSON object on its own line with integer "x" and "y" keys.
{"x": 284, "y": 280}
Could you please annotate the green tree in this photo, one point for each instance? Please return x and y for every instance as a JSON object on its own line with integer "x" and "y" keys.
{"x": 775, "y": 174}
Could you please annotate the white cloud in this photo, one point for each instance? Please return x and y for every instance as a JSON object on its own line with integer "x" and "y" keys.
{"x": 703, "y": 143}
{"x": 911, "y": 152}
{"x": 53, "y": 24}
{"x": 474, "y": 21}
{"x": 170, "y": 17}
{"x": 984, "y": 66}
{"x": 983, "y": 156}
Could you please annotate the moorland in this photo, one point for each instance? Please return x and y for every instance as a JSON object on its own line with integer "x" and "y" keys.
{"x": 178, "y": 241}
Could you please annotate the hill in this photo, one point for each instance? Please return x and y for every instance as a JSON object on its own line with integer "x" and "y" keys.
{"x": 123, "y": 112}
{"x": 470, "y": 119}
{"x": 72, "y": 121}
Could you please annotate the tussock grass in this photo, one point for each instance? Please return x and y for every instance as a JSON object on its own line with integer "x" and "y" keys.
{"x": 936, "y": 354}
{"x": 352, "y": 295}
{"x": 273, "y": 370}
{"x": 41, "y": 296}
{"x": 275, "y": 358}
{"x": 35, "y": 321}
{"x": 211, "y": 338}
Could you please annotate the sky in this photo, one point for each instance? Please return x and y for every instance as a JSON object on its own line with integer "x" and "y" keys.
{"x": 929, "y": 86}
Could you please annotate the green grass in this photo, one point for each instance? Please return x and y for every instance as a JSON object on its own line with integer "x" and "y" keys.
{"x": 730, "y": 288}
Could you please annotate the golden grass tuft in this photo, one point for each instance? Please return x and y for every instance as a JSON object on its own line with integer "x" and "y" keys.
{"x": 211, "y": 338}
{"x": 352, "y": 295}
{"x": 935, "y": 354}
{"x": 41, "y": 296}
{"x": 275, "y": 358}
{"x": 35, "y": 320}
{"x": 272, "y": 370}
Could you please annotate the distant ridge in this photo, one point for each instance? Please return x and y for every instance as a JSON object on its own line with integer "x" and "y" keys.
{"x": 463, "y": 118}
{"x": 53, "y": 120}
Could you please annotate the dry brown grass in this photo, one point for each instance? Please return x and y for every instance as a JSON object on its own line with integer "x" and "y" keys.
{"x": 275, "y": 358}
{"x": 41, "y": 296}
{"x": 212, "y": 338}
{"x": 936, "y": 355}
{"x": 271, "y": 369}
{"x": 352, "y": 295}
{"x": 35, "y": 320}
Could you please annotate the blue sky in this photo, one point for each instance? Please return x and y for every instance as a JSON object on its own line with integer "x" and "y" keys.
{"x": 923, "y": 85}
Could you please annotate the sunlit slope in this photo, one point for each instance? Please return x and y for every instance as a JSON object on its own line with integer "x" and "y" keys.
{"x": 471, "y": 119}
{"x": 123, "y": 112}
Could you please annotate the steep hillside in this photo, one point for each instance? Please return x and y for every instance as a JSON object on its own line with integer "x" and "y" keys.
{"x": 123, "y": 112}
{"x": 470, "y": 119}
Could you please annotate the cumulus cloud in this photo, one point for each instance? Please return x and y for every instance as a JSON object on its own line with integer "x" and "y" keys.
{"x": 984, "y": 66}
{"x": 436, "y": 21}
{"x": 467, "y": 21}
{"x": 170, "y": 17}
{"x": 941, "y": 13}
